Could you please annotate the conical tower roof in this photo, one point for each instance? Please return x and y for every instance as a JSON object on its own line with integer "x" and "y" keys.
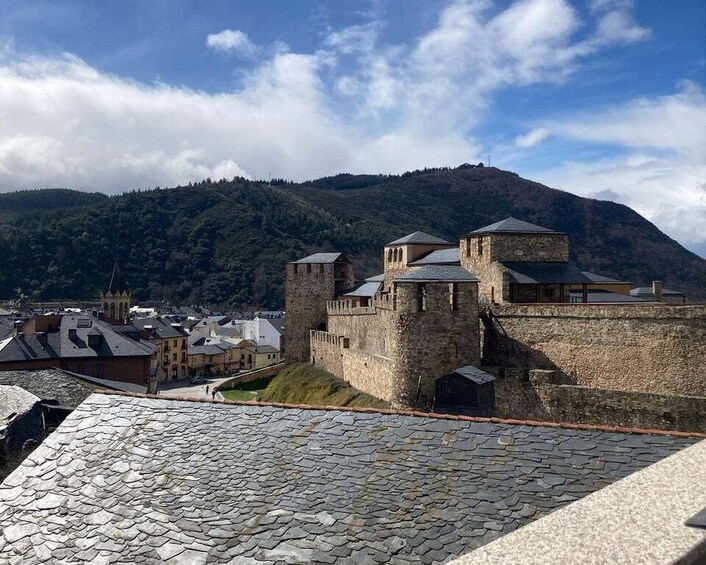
{"x": 116, "y": 283}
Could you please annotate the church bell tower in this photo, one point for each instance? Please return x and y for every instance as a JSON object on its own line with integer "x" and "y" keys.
{"x": 115, "y": 298}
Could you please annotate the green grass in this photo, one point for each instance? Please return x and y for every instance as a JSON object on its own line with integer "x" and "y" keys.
{"x": 246, "y": 391}
{"x": 305, "y": 384}
{"x": 240, "y": 394}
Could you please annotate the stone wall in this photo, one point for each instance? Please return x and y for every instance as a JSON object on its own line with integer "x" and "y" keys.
{"x": 367, "y": 372}
{"x": 369, "y": 329}
{"x": 531, "y": 395}
{"x": 659, "y": 349}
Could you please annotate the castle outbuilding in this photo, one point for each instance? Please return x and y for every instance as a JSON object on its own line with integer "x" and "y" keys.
{"x": 115, "y": 298}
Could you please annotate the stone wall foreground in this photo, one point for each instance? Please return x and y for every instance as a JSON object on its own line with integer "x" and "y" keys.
{"x": 532, "y": 395}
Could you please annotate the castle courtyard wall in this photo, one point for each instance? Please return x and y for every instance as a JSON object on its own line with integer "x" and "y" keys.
{"x": 531, "y": 395}
{"x": 659, "y": 349}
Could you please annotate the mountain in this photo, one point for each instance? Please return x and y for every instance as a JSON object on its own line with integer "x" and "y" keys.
{"x": 13, "y": 203}
{"x": 226, "y": 243}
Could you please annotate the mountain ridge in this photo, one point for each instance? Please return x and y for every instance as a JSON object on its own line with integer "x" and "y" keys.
{"x": 226, "y": 242}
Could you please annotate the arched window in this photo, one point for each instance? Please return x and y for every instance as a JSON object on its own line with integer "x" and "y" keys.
{"x": 400, "y": 258}
{"x": 389, "y": 255}
{"x": 394, "y": 255}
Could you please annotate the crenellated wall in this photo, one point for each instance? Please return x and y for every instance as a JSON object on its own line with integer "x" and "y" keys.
{"x": 659, "y": 349}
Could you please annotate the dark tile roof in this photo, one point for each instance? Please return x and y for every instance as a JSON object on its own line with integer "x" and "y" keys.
{"x": 646, "y": 292}
{"x": 440, "y": 257}
{"x": 419, "y": 238}
{"x": 146, "y": 480}
{"x": 512, "y": 225}
{"x": 60, "y": 344}
{"x": 323, "y": 258}
{"x": 474, "y": 374}
{"x": 438, "y": 273}
{"x": 604, "y": 296}
{"x": 161, "y": 326}
{"x": 376, "y": 278}
{"x": 367, "y": 290}
{"x": 108, "y": 384}
{"x": 601, "y": 279}
{"x": 50, "y": 384}
{"x": 277, "y": 323}
{"x": 528, "y": 272}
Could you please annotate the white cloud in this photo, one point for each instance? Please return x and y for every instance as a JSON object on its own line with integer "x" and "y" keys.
{"x": 231, "y": 41}
{"x": 662, "y": 174}
{"x": 531, "y": 138}
{"x": 355, "y": 104}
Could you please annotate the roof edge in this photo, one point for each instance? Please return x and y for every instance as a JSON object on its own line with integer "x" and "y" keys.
{"x": 414, "y": 413}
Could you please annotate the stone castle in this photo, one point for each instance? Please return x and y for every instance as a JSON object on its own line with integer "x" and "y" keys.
{"x": 506, "y": 298}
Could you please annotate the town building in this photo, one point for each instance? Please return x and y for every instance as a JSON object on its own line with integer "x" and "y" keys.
{"x": 170, "y": 341}
{"x": 80, "y": 343}
{"x": 509, "y": 300}
{"x": 209, "y": 356}
{"x": 658, "y": 293}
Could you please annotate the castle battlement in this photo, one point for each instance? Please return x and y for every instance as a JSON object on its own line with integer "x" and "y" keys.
{"x": 344, "y": 308}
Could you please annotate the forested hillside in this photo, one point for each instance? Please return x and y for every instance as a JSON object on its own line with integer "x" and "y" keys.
{"x": 226, "y": 243}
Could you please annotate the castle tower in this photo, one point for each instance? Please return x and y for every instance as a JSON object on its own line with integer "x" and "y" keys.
{"x": 437, "y": 329}
{"x": 400, "y": 253}
{"x": 491, "y": 251}
{"x": 311, "y": 282}
{"x": 115, "y": 298}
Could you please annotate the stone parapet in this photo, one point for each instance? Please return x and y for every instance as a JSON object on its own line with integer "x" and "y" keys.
{"x": 343, "y": 308}
{"x": 602, "y": 311}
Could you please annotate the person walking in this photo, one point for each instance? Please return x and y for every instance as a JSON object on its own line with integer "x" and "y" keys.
{"x": 213, "y": 393}
{"x": 207, "y": 389}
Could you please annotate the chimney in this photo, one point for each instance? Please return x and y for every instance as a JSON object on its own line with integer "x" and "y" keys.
{"x": 657, "y": 290}
{"x": 17, "y": 325}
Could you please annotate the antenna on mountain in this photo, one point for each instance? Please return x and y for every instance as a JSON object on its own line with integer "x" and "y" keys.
{"x": 269, "y": 179}
{"x": 489, "y": 159}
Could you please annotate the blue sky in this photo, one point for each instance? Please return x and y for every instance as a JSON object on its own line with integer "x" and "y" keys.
{"x": 603, "y": 98}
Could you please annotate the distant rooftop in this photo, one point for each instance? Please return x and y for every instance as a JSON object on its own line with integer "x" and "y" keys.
{"x": 323, "y": 258}
{"x": 155, "y": 480}
{"x": 512, "y": 225}
{"x": 605, "y": 296}
{"x": 419, "y": 238}
{"x": 438, "y": 273}
{"x": 376, "y": 278}
{"x": 601, "y": 279}
{"x": 647, "y": 292}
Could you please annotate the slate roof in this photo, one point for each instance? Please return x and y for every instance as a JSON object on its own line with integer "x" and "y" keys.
{"x": 59, "y": 344}
{"x": 604, "y": 296}
{"x": 528, "y": 272}
{"x": 474, "y": 374}
{"x": 440, "y": 257}
{"x": 512, "y": 225}
{"x": 14, "y": 400}
{"x": 646, "y": 292}
{"x": 323, "y": 258}
{"x": 419, "y": 238}
{"x": 161, "y": 326}
{"x": 438, "y": 273}
{"x": 150, "y": 480}
{"x": 368, "y": 290}
{"x": 376, "y": 278}
{"x": 601, "y": 279}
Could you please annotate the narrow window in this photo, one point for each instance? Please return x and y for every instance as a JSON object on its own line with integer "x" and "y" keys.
{"x": 453, "y": 296}
{"x": 389, "y": 255}
{"x": 394, "y": 256}
{"x": 468, "y": 247}
{"x": 480, "y": 246}
{"x": 421, "y": 298}
{"x": 308, "y": 267}
{"x": 296, "y": 268}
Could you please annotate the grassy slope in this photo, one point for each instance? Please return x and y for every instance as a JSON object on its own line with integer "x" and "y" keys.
{"x": 305, "y": 384}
